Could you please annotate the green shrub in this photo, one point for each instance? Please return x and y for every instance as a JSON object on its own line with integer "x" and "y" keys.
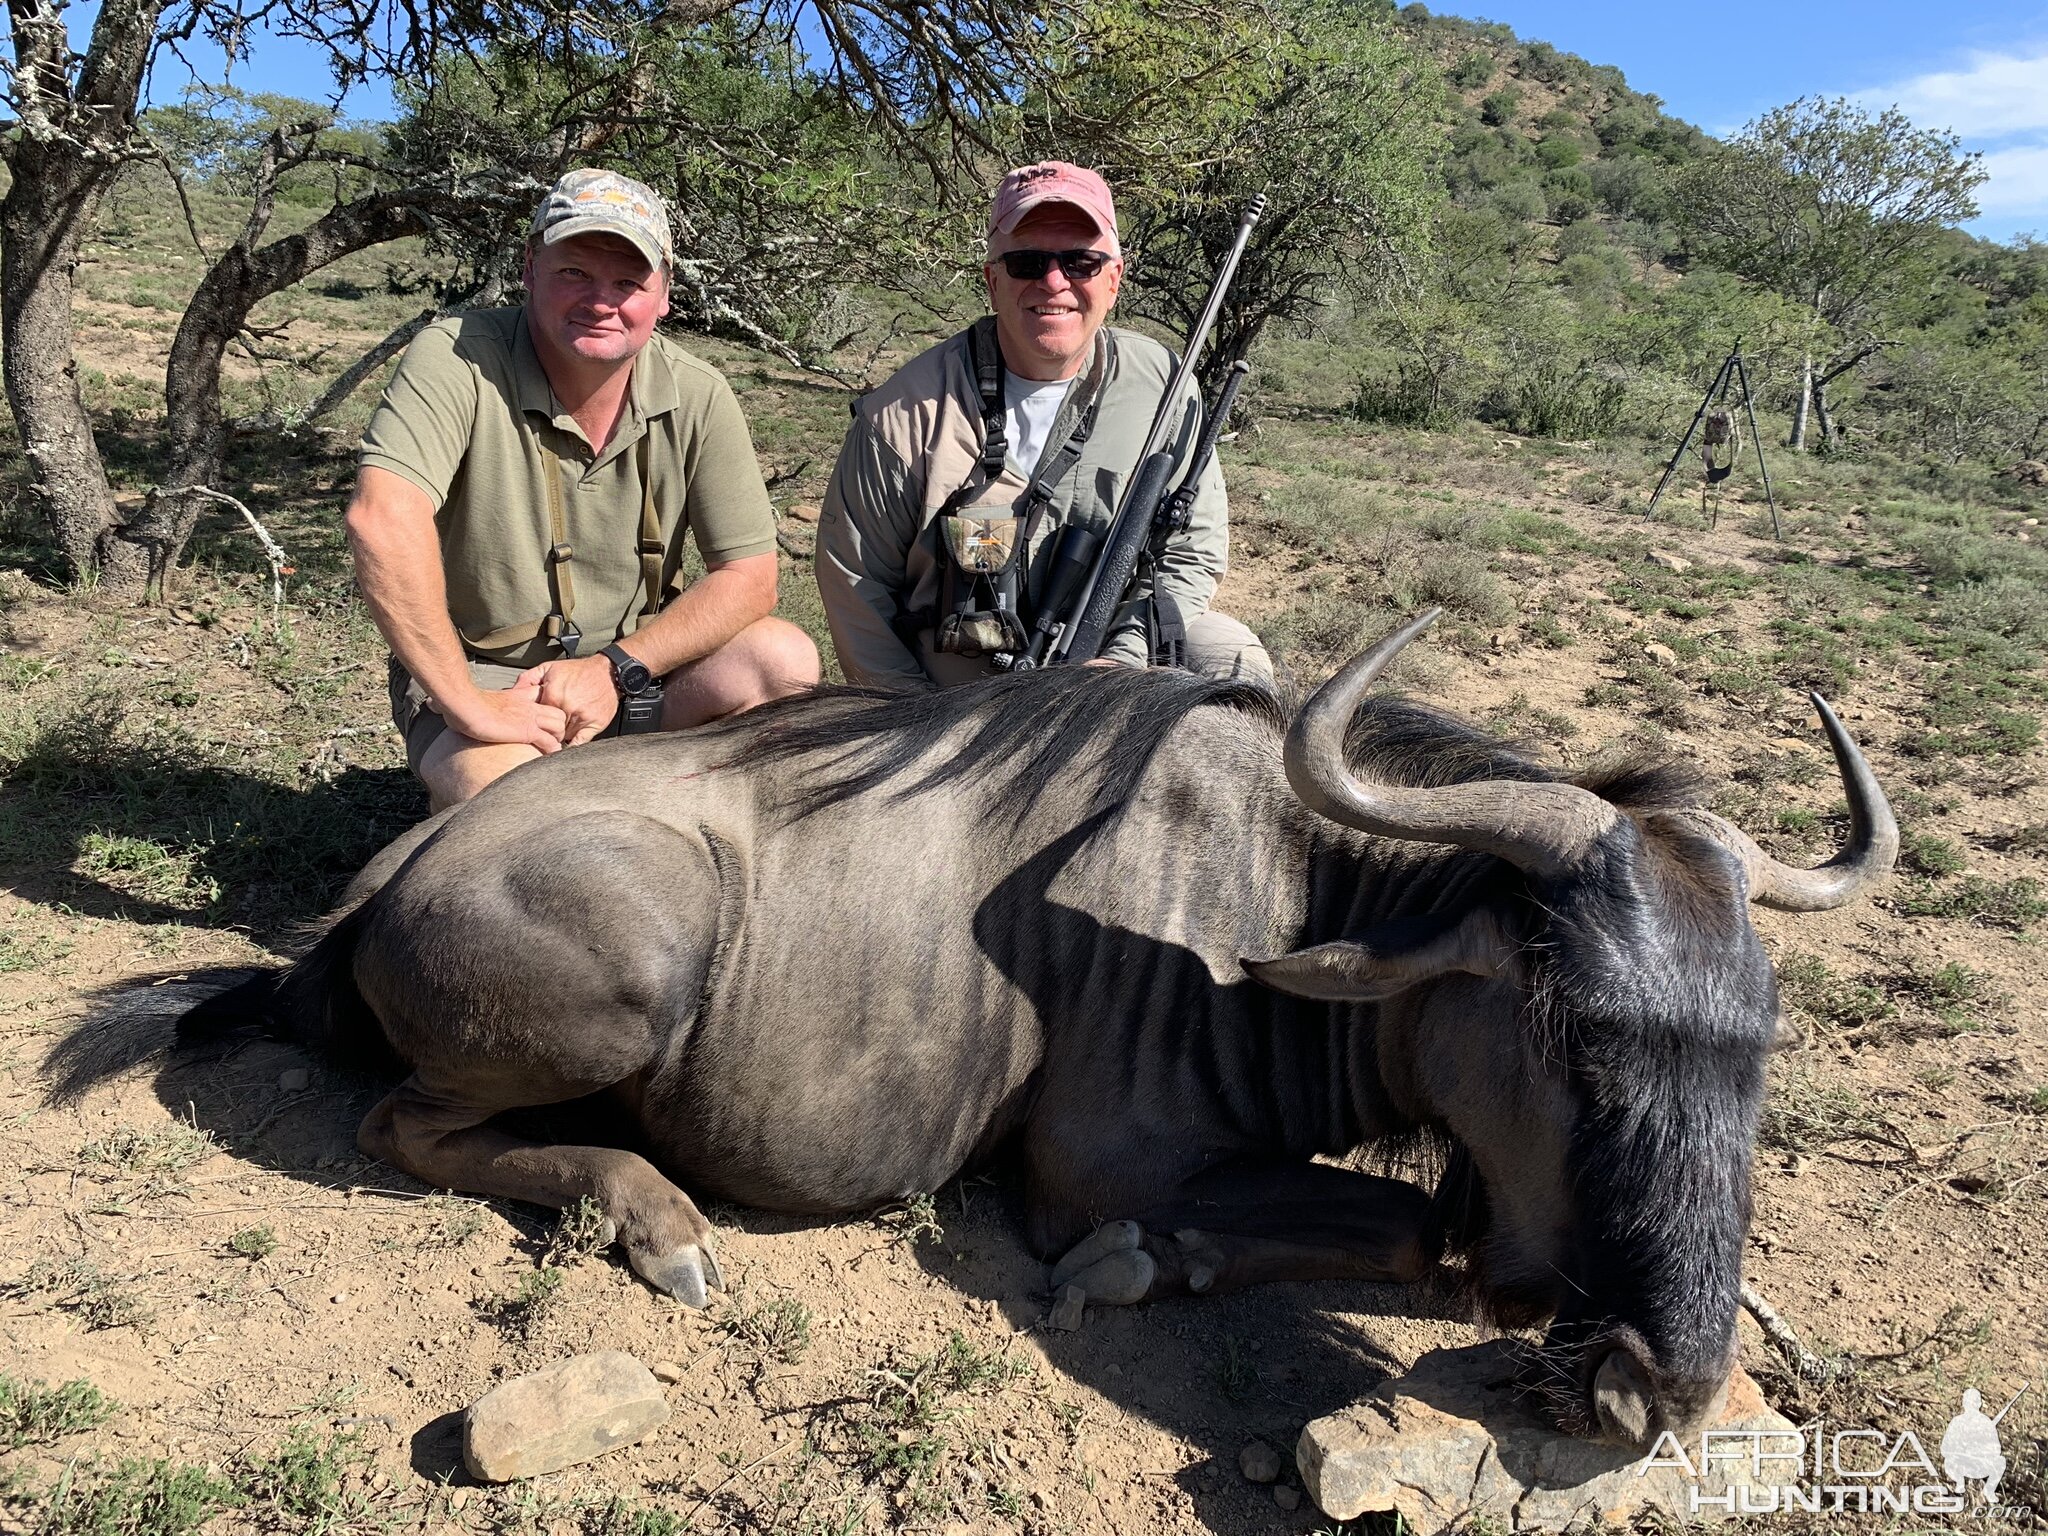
{"x": 34, "y": 1415}
{"x": 1470, "y": 72}
{"x": 2012, "y": 606}
{"x": 1925, "y": 854}
{"x": 2004, "y": 904}
{"x": 1498, "y": 110}
{"x": 133, "y": 1498}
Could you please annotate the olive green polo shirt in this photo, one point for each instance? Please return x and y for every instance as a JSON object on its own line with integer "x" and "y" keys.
{"x": 465, "y": 418}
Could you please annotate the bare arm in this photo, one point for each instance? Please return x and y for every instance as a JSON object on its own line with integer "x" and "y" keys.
{"x": 702, "y": 617}
{"x": 391, "y": 534}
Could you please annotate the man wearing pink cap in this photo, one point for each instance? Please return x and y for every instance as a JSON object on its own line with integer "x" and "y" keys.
{"x": 937, "y": 540}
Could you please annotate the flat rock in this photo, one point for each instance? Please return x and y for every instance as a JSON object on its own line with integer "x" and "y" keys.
{"x": 572, "y": 1411}
{"x": 294, "y": 1080}
{"x": 1663, "y": 561}
{"x": 1451, "y": 1441}
{"x": 1259, "y": 1462}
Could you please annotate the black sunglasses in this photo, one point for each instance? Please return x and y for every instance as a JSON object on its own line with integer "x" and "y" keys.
{"x": 1030, "y": 266}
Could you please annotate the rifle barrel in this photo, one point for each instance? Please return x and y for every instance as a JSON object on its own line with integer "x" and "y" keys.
{"x": 1115, "y": 540}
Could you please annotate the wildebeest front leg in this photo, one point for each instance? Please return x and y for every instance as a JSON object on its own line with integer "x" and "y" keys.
{"x": 444, "y": 1141}
{"x": 1247, "y": 1223}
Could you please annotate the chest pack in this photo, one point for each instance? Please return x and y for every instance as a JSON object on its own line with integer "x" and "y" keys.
{"x": 982, "y": 596}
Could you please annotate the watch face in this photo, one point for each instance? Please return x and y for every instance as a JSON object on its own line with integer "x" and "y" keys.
{"x": 630, "y": 673}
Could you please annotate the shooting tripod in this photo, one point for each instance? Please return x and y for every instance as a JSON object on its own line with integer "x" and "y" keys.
{"x": 1722, "y": 433}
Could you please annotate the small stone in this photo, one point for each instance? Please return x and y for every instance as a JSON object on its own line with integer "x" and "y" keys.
{"x": 666, "y": 1371}
{"x": 1259, "y": 1462}
{"x": 574, "y": 1410}
{"x": 294, "y": 1080}
{"x": 1662, "y": 561}
{"x": 804, "y": 511}
{"x": 458, "y": 1499}
{"x": 1287, "y": 1498}
{"x": 1656, "y": 650}
{"x": 1066, "y": 1312}
{"x": 338, "y": 1297}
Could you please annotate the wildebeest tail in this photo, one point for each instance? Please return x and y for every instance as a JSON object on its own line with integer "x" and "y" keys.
{"x": 313, "y": 1003}
{"x": 316, "y": 1004}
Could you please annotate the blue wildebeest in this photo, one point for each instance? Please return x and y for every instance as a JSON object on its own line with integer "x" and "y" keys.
{"x": 830, "y": 953}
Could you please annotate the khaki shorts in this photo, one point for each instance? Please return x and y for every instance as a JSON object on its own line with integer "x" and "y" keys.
{"x": 418, "y": 722}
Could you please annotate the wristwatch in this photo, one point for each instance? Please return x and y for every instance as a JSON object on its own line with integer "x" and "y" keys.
{"x": 629, "y": 674}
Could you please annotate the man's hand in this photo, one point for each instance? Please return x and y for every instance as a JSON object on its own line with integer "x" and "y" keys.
{"x": 582, "y": 690}
{"x": 514, "y": 715}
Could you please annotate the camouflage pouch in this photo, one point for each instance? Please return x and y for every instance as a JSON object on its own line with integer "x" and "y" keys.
{"x": 980, "y": 634}
{"x": 982, "y": 546}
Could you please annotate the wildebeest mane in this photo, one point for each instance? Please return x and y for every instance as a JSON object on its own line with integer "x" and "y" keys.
{"x": 1398, "y": 741}
{"x": 1034, "y": 726}
{"x": 1031, "y": 727}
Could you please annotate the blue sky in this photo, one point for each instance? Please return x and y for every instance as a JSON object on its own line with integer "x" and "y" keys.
{"x": 1980, "y": 69}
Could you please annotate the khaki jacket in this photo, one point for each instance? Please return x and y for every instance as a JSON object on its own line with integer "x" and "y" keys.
{"x": 917, "y": 439}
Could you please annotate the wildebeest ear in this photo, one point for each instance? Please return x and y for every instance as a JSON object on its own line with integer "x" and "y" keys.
{"x": 1391, "y": 959}
{"x": 1785, "y": 1035}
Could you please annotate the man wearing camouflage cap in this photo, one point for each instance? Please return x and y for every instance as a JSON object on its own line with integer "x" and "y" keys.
{"x": 937, "y": 538}
{"x": 521, "y": 502}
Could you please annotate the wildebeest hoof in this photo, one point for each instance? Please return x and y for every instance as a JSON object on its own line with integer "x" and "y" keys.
{"x": 1119, "y": 1279}
{"x": 689, "y": 1274}
{"x": 1111, "y": 1237}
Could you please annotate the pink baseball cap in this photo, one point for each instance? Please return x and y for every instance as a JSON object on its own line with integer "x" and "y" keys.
{"x": 1050, "y": 181}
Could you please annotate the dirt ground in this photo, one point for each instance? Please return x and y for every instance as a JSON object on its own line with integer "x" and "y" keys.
{"x": 203, "y": 1244}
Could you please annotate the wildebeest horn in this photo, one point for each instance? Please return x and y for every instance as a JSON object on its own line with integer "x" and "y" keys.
{"x": 1873, "y": 839}
{"x": 1543, "y": 828}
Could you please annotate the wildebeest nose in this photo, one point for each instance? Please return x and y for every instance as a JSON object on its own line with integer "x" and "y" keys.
{"x": 1632, "y": 1412}
{"x": 1622, "y": 1400}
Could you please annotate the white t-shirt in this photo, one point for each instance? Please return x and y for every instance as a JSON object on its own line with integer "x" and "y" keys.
{"x": 1029, "y": 406}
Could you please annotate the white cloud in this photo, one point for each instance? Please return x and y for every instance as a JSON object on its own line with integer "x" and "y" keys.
{"x": 2018, "y": 181}
{"x": 1995, "y": 96}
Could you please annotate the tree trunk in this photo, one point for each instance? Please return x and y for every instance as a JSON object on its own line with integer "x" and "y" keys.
{"x": 73, "y": 131}
{"x": 141, "y": 555}
{"x": 1829, "y": 437}
{"x": 1797, "y": 441}
{"x": 44, "y": 219}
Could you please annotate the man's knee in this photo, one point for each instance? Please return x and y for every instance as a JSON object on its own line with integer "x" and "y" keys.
{"x": 1220, "y": 647}
{"x": 454, "y": 767}
{"x": 769, "y": 659}
{"x": 784, "y": 658}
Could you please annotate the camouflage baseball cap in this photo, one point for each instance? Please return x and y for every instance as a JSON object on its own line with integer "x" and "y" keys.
{"x": 595, "y": 202}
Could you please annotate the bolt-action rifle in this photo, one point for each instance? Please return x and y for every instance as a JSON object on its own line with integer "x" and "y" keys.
{"x": 1091, "y": 573}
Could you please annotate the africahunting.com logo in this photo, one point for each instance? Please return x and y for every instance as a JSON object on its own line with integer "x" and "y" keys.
{"x": 1819, "y": 1467}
